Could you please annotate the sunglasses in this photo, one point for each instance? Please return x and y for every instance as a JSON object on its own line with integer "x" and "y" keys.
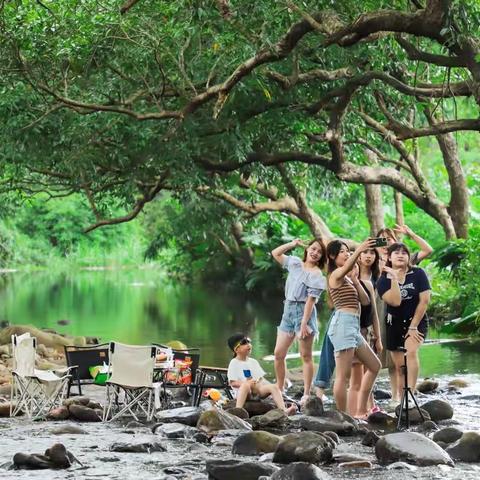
{"x": 243, "y": 341}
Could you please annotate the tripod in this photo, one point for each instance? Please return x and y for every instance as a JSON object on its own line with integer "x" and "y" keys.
{"x": 407, "y": 392}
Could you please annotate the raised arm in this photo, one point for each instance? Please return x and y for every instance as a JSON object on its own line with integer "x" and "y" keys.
{"x": 425, "y": 248}
{"x": 336, "y": 277}
{"x": 279, "y": 253}
{"x": 362, "y": 294}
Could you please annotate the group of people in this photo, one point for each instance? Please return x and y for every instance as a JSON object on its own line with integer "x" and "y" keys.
{"x": 378, "y": 296}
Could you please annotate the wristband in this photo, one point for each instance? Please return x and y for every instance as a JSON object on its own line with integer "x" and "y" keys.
{"x": 412, "y": 328}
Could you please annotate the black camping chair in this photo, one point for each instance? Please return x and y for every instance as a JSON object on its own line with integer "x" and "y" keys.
{"x": 212, "y": 377}
{"x": 80, "y": 359}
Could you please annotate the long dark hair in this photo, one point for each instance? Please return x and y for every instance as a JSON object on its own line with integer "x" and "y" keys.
{"x": 375, "y": 268}
{"x": 398, "y": 246}
{"x": 333, "y": 249}
{"x": 322, "y": 260}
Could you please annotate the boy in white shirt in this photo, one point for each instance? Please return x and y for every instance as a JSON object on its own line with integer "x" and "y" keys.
{"x": 245, "y": 375}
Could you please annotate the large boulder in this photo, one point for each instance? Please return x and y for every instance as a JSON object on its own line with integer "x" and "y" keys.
{"x": 313, "y": 407}
{"x": 413, "y": 414}
{"x": 438, "y": 410}
{"x": 254, "y": 443}
{"x": 322, "y": 424}
{"x": 467, "y": 448}
{"x": 410, "y": 447}
{"x": 216, "y": 419}
{"x": 186, "y": 415}
{"x": 253, "y": 407}
{"x": 274, "y": 419}
{"x": 238, "y": 470}
{"x": 308, "y": 447}
{"x": 300, "y": 471}
{"x": 447, "y": 435}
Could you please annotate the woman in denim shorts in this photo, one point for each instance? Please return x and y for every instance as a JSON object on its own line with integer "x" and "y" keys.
{"x": 303, "y": 287}
{"x": 347, "y": 294}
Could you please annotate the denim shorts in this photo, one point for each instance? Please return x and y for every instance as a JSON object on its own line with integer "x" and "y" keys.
{"x": 344, "y": 331}
{"x": 292, "y": 318}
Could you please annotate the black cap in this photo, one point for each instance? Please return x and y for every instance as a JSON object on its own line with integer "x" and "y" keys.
{"x": 234, "y": 339}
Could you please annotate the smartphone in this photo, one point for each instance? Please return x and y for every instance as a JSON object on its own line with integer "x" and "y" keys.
{"x": 380, "y": 242}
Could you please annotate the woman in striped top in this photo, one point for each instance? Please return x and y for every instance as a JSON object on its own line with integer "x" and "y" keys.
{"x": 347, "y": 294}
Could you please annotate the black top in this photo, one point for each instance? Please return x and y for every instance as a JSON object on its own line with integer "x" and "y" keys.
{"x": 416, "y": 282}
{"x": 366, "y": 310}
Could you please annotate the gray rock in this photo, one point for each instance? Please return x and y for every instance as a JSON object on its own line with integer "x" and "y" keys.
{"x": 333, "y": 436}
{"x": 308, "y": 447}
{"x": 58, "y": 413}
{"x": 84, "y": 414}
{"x": 238, "y": 470}
{"x": 364, "y": 463}
{"x": 322, "y": 424}
{"x": 300, "y": 470}
{"x": 438, "y": 410}
{"x": 370, "y": 439}
{"x": 474, "y": 398}
{"x": 68, "y": 429}
{"x": 380, "y": 394}
{"x": 427, "y": 386}
{"x": 31, "y": 461}
{"x": 215, "y": 419}
{"x": 238, "y": 412}
{"x": 253, "y": 407}
{"x": 382, "y": 419}
{"x": 427, "y": 427}
{"x": 467, "y": 448}
{"x": 254, "y": 443}
{"x": 347, "y": 457}
{"x": 145, "y": 447}
{"x": 174, "y": 430}
{"x": 186, "y": 415}
{"x": 413, "y": 415}
{"x": 447, "y": 435}
{"x": 79, "y": 400}
{"x": 313, "y": 407}
{"x": 402, "y": 466}
{"x": 274, "y": 419}
{"x": 410, "y": 447}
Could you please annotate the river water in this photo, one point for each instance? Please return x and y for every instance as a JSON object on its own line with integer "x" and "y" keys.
{"x": 141, "y": 306}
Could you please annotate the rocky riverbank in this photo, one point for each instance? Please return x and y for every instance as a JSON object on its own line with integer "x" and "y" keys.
{"x": 200, "y": 443}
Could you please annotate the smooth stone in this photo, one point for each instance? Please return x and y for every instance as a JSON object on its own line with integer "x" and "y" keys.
{"x": 458, "y": 383}
{"x": 68, "y": 430}
{"x": 216, "y": 419}
{"x": 447, "y": 435}
{"x": 201, "y": 437}
{"x": 145, "y": 447}
{"x": 466, "y": 448}
{"x": 370, "y": 439}
{"x": 253, "y": 407}
{"x": 238, "y": 470}
{"x": 427, "y": 386}
{"x": 76, "y": 401}
{"x": 438, "y": 410}
{"x": 413, "y": 415}
{"x": 333, "y": 436}
{"x": 322, "y": 424}
{"x": 254, "y": 443}
{"x": 402, "y": 466}
{"x": 475, "y": 398}
{"x": 84, "y": 414}
{"x": 5, "y": 409}
{"x": 300, "y": 471}
{"x": 174, "y": 430}
{"x": 313, "y": 407}
{"x": 347, "y": 457}
{"x": 59, "y": 413}
{"x": 382, "y": 419}
{"x": 31, "y": 461}
{"x": 308, "y": 447}
{"x": 356, "y": 464}
{"x": 276, "y": 419}
{"x": 427, "y": 427}
{"x": 380, "y": 394}
{"x": 59, "y": 456}
{"x": 186, "y": 415}
{"x": 410, "y": 447}
{"x": 238, "y": 412}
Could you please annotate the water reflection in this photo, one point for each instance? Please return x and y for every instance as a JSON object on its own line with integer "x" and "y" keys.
{"x": 141, "y": 306}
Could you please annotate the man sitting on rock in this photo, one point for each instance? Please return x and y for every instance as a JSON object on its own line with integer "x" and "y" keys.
{"x": 245, "y": 375}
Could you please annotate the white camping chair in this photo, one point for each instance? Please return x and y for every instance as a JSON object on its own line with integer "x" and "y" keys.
{"x": 34, "y": 392}
{"x": 131, "y": 374}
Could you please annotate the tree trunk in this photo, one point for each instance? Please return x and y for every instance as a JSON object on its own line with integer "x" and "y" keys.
{"x": 374, "y": 207}
{"x": 246, "y": 253}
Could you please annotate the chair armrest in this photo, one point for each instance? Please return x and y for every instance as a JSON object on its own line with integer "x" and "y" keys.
{"x": 212, "y": 369}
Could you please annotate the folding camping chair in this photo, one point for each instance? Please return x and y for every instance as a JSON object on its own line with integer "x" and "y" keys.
{"x": 34, "y": 392}
{"x": 131, "y": 376}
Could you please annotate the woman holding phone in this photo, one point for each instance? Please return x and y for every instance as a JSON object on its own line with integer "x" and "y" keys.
{"x": 303, "y": 287}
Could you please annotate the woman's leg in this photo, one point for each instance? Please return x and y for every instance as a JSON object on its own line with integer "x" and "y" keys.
{"x": 413, "y": 363}
{"x": 326, "y": 366}
{"x": 306, "y": 346}
{"x": 354, "y": 388}
{"x": 372, "y": 365}
{"x": 284, "y": 340}
{"x": 397, "y": 358}
{"x": 342, "y": 377}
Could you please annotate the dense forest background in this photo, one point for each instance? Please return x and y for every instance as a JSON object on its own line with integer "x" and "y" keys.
{"x": 194, "y": 136}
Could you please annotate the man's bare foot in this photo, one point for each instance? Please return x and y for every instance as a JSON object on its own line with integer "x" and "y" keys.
{"x": 291, "y": 410}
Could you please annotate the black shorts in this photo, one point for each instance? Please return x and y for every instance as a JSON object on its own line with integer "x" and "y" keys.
{"x": 397, "y": 330}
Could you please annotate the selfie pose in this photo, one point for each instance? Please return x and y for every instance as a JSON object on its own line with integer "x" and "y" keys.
{"x": 406, "y": 291}
{"x": 347, "y": 294}
{"x": 303, "y": 287}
